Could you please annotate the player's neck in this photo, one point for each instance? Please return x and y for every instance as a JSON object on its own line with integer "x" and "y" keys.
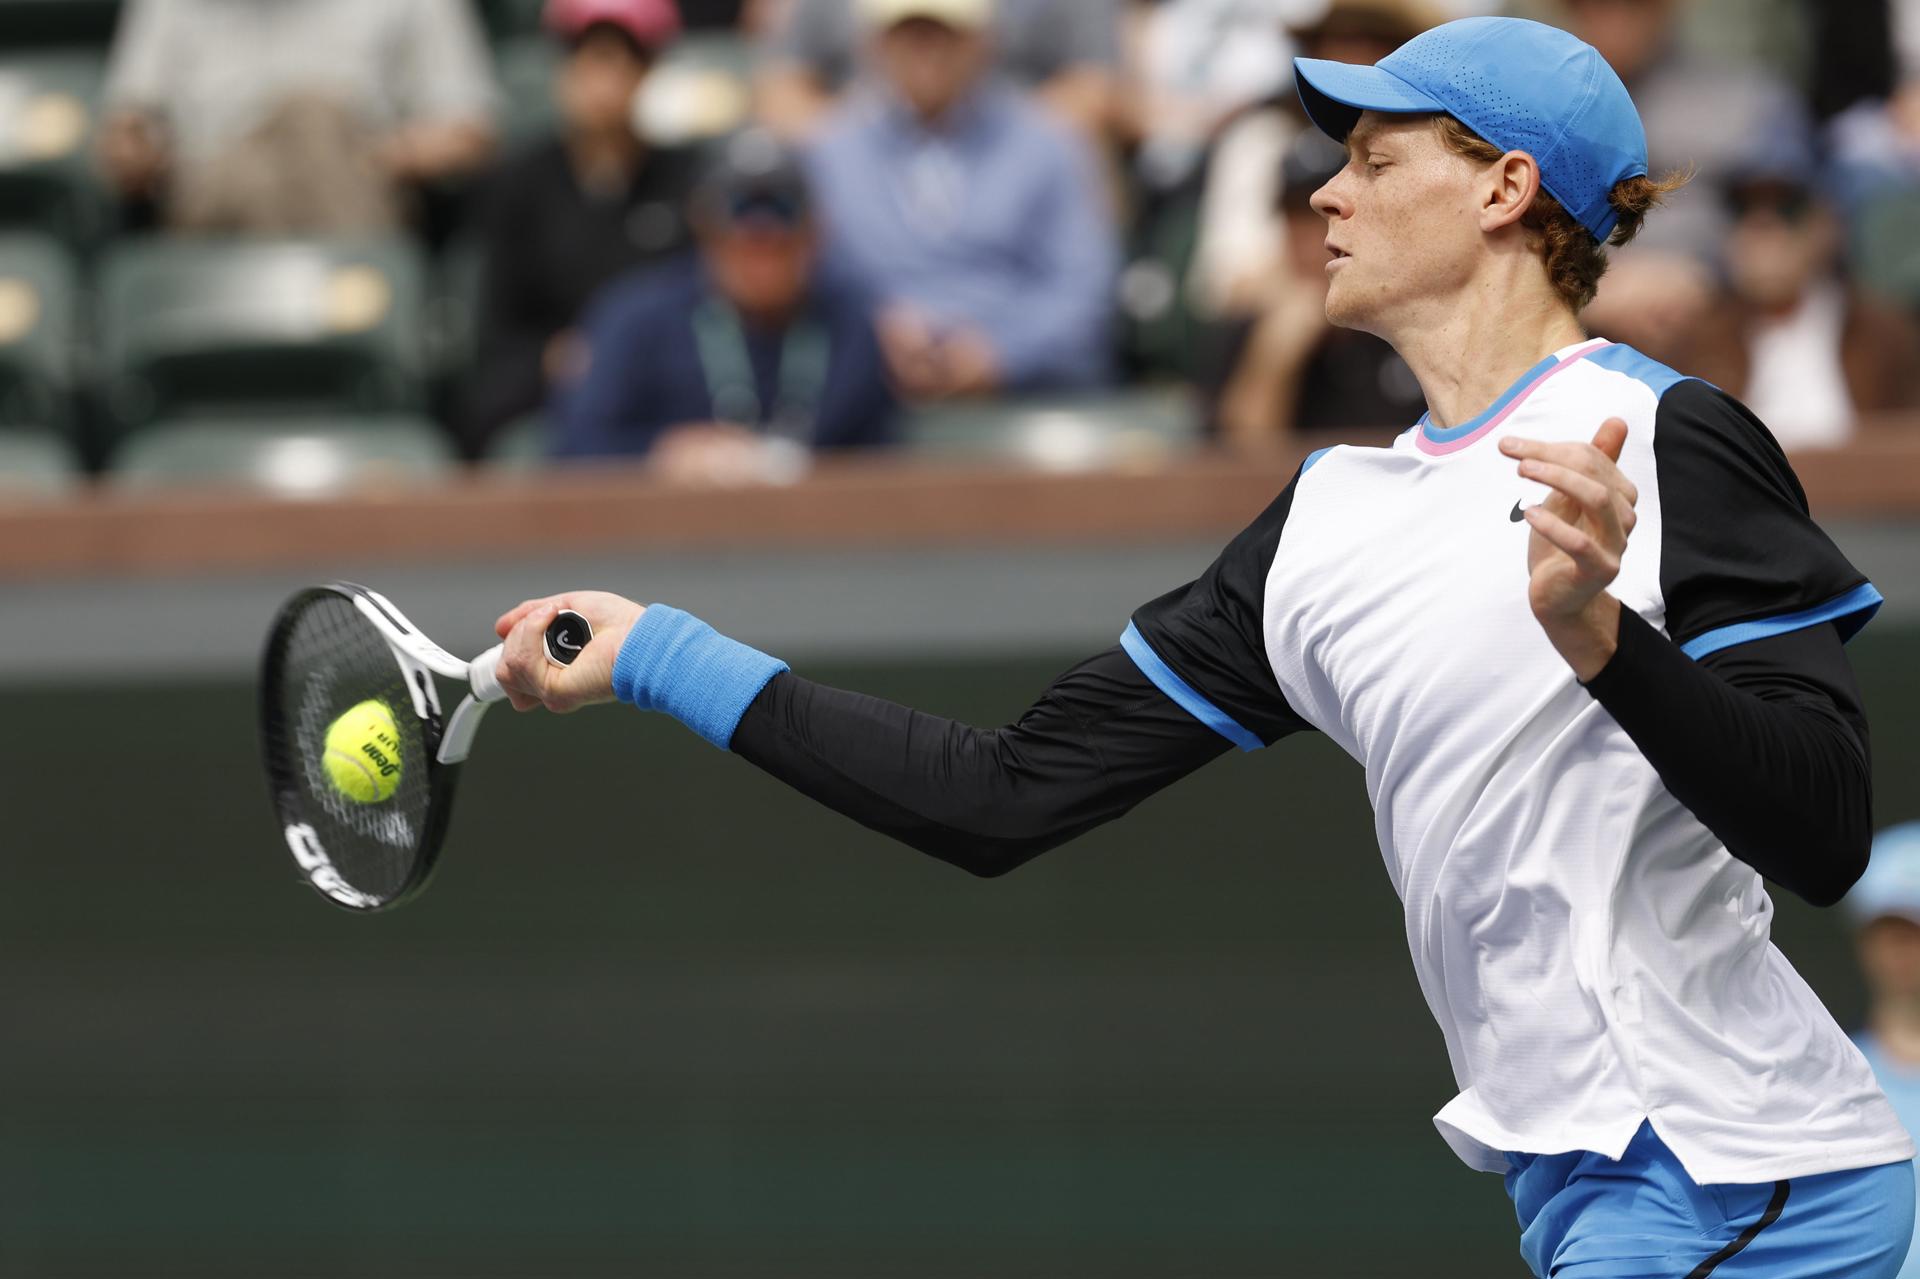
{"x": 1468, "y": 352}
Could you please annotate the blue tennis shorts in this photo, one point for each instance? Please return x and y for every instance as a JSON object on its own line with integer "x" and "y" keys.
{"x": 1584, "y": 1216}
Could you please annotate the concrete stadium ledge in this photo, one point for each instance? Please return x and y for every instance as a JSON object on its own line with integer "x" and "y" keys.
{"x": 873, "y": 502}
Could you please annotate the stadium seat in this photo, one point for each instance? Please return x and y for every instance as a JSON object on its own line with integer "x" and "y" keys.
{"x": 700, "y": 90}
{"x": 286, "y": 457}
{"x": 522, "y": 446}
{"x": 1887, "y": 246}
{"x": 1060, "y": 434}
{"x": 525, "y": 65}
{"x": 35, "y": 464}
{"x": 48, "y": 108}
{"x": 258, "y": 327}
{"x": 37, "y": 338}
{"x": 512, "y": 17}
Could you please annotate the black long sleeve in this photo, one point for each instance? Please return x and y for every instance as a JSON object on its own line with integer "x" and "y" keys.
{"x": 1097, "y": 742}
{"x": 1765, "y": 742}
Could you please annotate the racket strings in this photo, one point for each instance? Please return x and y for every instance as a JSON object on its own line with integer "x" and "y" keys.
{"x": 333, "y": 661}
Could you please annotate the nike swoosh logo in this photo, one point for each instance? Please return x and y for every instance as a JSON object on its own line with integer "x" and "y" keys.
{"x": 1516, "y": 514}
{"x": 565, "y": 640}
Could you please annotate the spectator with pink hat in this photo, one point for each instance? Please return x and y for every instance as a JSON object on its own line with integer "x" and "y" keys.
{"x": 574, "y": 210}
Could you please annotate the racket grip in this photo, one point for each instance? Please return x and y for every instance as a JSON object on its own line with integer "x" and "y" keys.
{"x": 483, "y": 675}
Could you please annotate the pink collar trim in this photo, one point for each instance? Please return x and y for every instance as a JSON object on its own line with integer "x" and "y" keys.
{"x": 1435, "y": 448}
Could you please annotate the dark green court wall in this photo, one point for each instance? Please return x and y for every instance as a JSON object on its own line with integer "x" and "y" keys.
{"x": 658, "y": 1016}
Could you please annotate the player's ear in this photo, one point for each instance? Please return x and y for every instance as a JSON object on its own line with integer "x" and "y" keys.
{"x": 1508, "y": 188}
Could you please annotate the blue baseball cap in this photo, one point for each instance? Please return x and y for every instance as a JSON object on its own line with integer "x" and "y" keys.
{"x": 1523, "y": 86}
{"x": 1891, "y": 885}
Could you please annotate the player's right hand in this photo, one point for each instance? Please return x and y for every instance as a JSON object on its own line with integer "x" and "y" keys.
{"x": 530, "y": 680}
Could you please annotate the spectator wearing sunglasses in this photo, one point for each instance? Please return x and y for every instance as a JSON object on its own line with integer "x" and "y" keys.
{"x": 1807, "y": 352}
{"x": 573, "y": 211}
{"x": 731, "y": 366}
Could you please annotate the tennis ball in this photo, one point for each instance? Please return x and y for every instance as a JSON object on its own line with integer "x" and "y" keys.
{"x": 363, "y": 753}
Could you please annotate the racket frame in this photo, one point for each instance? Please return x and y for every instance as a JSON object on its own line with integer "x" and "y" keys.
{"x": 419, "y": 660}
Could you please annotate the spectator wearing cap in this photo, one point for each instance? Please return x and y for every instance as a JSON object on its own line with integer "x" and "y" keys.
{"x": 574, "y": 211}
{"x": 1240, "y": 259}
{"x": 978, "y": 221}
{"x": 1885, "y": 906}
{"x": 724, "y": 367}
{"x": 293, "y": 116}
{"x": 1807, "y": 352}
{"x": 1700, "y": 114}
{"x": 1066, "y": 53}
{"x": 1290, "y": 371}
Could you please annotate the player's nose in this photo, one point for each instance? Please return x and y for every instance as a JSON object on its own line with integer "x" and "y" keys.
{"x": 1331, "y": 201}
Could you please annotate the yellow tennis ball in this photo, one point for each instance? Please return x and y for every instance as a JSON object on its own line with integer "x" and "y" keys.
{"x": 363, "y": 753}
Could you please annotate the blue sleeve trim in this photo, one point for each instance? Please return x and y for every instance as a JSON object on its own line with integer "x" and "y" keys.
{"x": 673, "y": 662}
{"x": 1315, "y": 456}
{"x": 1183, "y": 693}
{"x": 1852, "y": 611}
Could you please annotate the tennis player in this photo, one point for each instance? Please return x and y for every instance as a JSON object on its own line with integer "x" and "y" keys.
{"x": 1580, "y": 631}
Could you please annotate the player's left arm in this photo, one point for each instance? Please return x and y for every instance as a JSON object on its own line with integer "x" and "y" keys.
{"x": 1749, "y": 712}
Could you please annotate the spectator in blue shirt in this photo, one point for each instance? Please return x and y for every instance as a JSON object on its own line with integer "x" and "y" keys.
{"x": 978, "y": 220}
{"x": 1886, "y": 906}
{"x": 729, "y": 366}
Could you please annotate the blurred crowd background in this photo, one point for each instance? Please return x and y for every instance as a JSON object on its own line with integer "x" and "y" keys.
{"x": 313, "y": 244}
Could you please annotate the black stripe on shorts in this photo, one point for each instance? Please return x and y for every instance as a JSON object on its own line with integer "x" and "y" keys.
{"x": 1775, "y": 1207}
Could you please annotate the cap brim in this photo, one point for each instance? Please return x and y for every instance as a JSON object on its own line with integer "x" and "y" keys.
{"x": 1335, "y": 93}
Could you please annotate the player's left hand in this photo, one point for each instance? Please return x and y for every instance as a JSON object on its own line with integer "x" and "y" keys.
{"x": 531, "y": 680}
{"x": 1579, "y": 534}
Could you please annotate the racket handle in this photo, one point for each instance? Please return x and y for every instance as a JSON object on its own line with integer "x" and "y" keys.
{"x": 565, "y": 636}
{"x": 483, "y": 675}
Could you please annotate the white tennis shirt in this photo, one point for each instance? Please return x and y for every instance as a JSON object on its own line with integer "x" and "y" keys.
{"x": 1592, "y": 953}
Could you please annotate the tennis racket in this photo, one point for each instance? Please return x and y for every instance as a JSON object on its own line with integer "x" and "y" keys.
{"x": 332, "y": 650}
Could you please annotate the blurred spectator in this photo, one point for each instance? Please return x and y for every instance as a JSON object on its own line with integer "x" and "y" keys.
{"x": 1066, "y": 52}
{"x": 293, "y": 116}
{"x": 1699, "y": 114}
{"x": 1241, "y": 261}
{"x": 1192, "y": 65}
{"x": 1807, "y": 353}
{"x": 573, "y": 211}
{"x": 977, "y": 220}
{"x": 703, "y": 364}
{"x": 1292, "y": 372}
{"x": 1885, "y": 906}
{"x": 1877, "y": 142}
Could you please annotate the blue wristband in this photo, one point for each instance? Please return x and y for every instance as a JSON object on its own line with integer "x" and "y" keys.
{"x": 672, "y": 661}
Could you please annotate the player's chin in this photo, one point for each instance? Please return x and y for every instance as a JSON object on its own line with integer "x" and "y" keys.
{"x": 1343, "y": 303}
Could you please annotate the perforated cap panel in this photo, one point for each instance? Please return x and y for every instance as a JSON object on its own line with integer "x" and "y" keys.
{"x": 1521, "y": 85}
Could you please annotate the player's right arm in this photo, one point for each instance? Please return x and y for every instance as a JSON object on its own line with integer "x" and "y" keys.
{"x": 1188, "y": 681}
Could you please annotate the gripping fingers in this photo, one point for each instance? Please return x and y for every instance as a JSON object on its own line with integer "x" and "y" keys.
{"x": 523, "y": 666}
{"x": 1595, "y": 561}
{"x": 1591, "y": 497}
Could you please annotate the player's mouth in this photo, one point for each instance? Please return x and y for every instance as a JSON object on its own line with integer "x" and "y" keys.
{"x": 1339, "y": 255}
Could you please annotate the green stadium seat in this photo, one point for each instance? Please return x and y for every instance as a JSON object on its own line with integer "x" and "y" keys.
{"x": 525, "y": 66}
{"x": 1060, "y": 433}
{"x": 35, "y": 464}
{"x": 522, "y": 446}
{"x": 701, "y": 89}
{"x": 258, "y": 327}
{"x": 286, "y": 457}
{"x": 49, "y": 107}
{"x": 1886, "y": 251}
{"x": 512, "y": 17}
{"x": 37, "y": 336}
